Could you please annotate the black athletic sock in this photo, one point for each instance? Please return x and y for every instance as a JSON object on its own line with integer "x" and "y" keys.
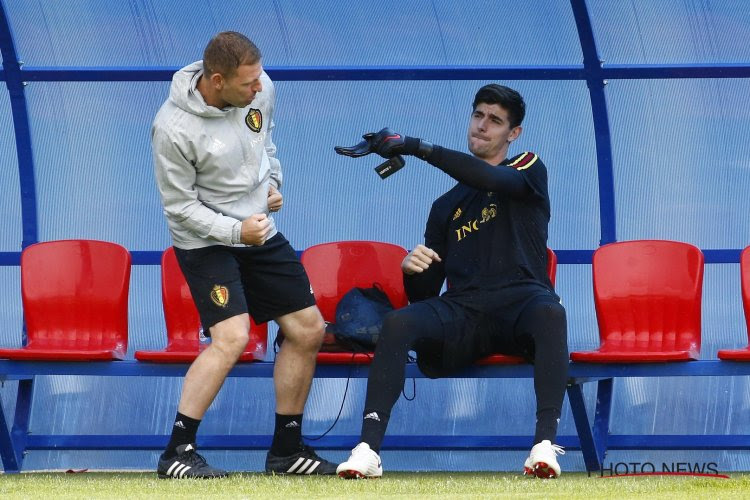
{"x": 546, "y": 425}
{"x": 287, "y": 435}
{"x": 183, "y": 432}
{"x": 374, "y": 424}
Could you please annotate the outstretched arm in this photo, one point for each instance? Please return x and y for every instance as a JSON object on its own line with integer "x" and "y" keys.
{"x": 479, "y": 174}
{"x": 465, "y": 168}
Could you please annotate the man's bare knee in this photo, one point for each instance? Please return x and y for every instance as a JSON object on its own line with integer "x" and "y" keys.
{"x": 308, "y": 337}
{"x": 231, "y": 335}
{"x": 303, "y": 329}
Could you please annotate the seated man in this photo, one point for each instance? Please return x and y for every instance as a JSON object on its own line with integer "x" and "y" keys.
{"x": 488, "y": 237}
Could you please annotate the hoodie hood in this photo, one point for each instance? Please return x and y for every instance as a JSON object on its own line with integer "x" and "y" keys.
{"x": 184, "y": 93}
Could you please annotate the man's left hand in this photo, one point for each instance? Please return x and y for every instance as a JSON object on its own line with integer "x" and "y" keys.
{"x": 275, "y": 200}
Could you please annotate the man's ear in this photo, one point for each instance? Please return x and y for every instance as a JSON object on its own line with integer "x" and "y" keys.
{"x": 217, "y": 81}
{"x": 515, "y": 133}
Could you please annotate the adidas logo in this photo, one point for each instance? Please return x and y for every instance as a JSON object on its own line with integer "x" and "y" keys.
{"x": 178, "y": 470}
{"x": 373, "y": 416}
{"x": 189, "y": 447}
{"x": 291, "y": 425}
{"x": 179, "y": 424}
{"x": 303, "y": 466}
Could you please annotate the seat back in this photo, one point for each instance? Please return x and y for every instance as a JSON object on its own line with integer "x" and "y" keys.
{"x": 647, "y": 296}
{"x": 180, "y": 313}
{"x": 181, "y": 316}
{"x": 75, "y": 295}
{"x": 337, "y": 267}
{"x": 745, "y": 279}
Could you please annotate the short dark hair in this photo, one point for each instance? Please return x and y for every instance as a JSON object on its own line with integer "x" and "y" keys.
{"x": 506, "y": 98}
{"x": 227, "y": 51}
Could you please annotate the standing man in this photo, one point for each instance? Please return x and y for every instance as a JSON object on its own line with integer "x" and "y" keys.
{"x": 219, "y": 179}
{"x": 488, "y": 237}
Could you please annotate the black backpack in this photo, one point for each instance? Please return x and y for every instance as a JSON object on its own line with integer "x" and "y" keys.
{"x": 359, "y": 317}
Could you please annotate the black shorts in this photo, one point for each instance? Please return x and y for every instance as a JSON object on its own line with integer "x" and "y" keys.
{"x": 266, "y": 281}
{"x": 476, "y": 324}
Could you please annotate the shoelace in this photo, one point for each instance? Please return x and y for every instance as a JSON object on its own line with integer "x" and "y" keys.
{"x": 309, "y": 450}
{"x": 192, "y": 458}
{"x": 556, "y": 449}
{"x": 559, "y": 450}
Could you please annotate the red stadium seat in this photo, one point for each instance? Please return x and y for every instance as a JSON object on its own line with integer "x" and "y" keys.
{"x": 183, "y": 322}
{"x": 337, "y": 267}
{"x": 647, "y": 296}
{"x": 508, "y": 359}
{"x": 742, "y": 354}
{"x": 75, "y": 301}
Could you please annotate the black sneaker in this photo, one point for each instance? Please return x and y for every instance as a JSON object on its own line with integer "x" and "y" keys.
{"x": 304, "y": 462}
{"x": 187, "y": 464}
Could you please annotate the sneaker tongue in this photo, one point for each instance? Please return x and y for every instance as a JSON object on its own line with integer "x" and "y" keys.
{"x": 185, "y": 447}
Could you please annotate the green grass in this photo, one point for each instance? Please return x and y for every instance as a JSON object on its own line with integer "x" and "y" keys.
{"x": 133, "y": 485}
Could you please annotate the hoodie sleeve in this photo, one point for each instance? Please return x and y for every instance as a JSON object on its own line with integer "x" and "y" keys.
{"x": 175, "y": 177}
{"x": 276, "y": 176}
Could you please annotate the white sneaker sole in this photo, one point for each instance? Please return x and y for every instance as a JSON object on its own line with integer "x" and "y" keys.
{"x": 355, "y": 474}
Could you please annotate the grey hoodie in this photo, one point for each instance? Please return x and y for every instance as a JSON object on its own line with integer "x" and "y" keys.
{"x": 213, "y": 166}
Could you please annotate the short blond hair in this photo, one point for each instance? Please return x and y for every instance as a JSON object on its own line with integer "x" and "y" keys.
{"x": 227, "y": 51}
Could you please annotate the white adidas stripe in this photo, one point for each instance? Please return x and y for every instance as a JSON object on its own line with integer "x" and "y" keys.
{"x": 296, "y": 464}
{"x": 304, "y": 466}
{"x": 171, "y": 468}
{"x": 187, "y": 468}
{"x": 178, "y": 470}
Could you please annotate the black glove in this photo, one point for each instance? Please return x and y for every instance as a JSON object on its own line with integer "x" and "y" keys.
{"x": 387, "y": 144}
{"x": 361, "y": 149}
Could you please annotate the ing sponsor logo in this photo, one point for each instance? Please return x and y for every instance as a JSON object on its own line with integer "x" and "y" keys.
{"x": 488, "y": 213}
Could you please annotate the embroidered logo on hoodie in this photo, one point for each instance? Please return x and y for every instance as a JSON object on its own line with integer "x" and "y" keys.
{"x": 254, "y": 120}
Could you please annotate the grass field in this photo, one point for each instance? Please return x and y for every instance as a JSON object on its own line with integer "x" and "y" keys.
{"x": 132, "y": 485}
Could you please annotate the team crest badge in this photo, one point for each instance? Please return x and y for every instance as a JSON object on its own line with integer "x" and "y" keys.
{"x": 220, "y": 295}
{"x": 254, "y": 120}
{"x": 457, "y": 214}
{"x": 489, "y": 212}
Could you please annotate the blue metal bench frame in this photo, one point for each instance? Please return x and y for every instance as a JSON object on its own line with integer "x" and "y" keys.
{"x": 593, "y": 437}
